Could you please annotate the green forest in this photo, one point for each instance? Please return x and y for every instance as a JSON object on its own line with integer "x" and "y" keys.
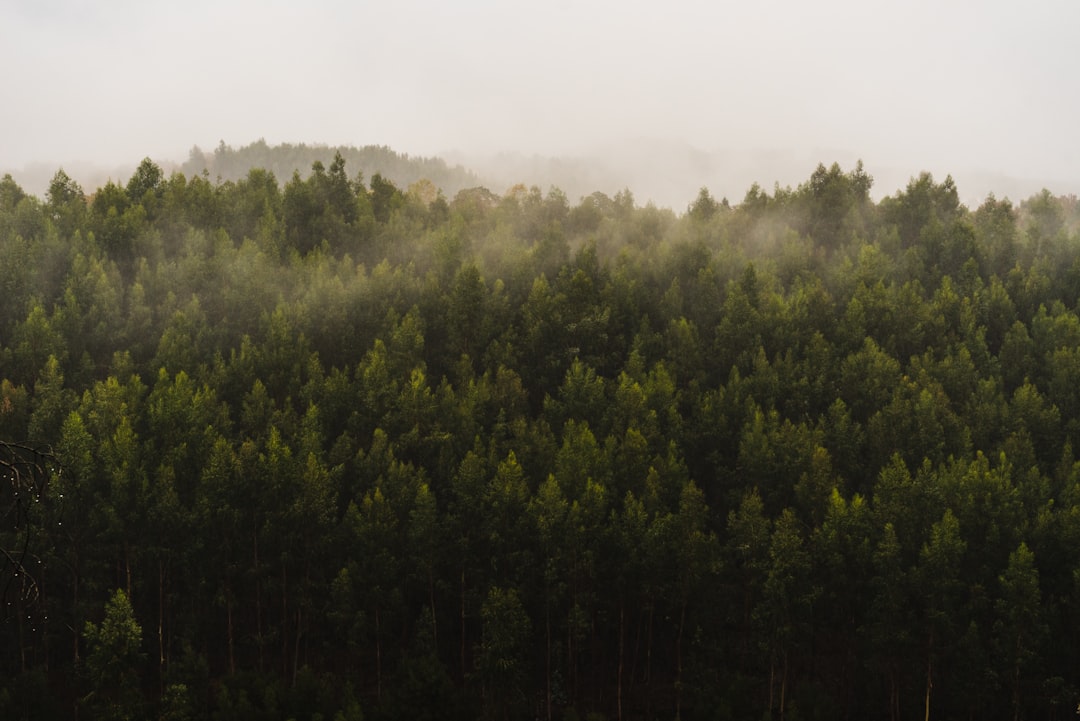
{"x": 337, "y": 447}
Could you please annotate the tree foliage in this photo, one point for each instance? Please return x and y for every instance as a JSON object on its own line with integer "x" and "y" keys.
{"x": 342, "y": 449}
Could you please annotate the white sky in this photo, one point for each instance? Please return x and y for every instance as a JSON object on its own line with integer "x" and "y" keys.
{"x": 942, "y": 85}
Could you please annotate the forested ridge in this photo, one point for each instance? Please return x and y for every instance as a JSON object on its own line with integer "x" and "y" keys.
{"x": 226, "y": 163}
{"x": 326, "y": 447}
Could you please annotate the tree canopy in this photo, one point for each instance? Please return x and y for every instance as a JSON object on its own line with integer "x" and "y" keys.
{"x": 315, "y": 446}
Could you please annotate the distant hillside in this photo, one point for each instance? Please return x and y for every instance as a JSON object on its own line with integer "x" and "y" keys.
{"x": 228, "y": 163}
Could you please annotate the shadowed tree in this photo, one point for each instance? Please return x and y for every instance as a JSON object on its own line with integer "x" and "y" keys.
{"x": 113, "y": 658}
{"x": 502, "y": 659}
{"x": 1020, "y": 629}
{"x": 940, "y": 591}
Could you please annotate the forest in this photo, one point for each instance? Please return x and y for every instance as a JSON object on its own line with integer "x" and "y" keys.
{"x": 338, "y": 447}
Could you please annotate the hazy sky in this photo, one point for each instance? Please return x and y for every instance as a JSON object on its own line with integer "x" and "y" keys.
{"x": 944, "y": 85}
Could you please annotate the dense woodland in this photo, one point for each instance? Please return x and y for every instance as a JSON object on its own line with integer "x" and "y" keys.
{"x": 325, "y": 447}
{"x": 226, "y": 163}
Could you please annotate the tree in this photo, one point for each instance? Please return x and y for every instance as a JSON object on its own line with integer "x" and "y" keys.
{"x": 940, "y": 589}
{"x": 996, "y": 233}
{"x": 889, "y": 621}
{"x": 704, "y": 206}
{"x": 581, "y": 397}
{"x": 1020, "y": 629}
{"x": 627, "y": 535}
{"x": 301, "y": 211}
{"x": 787, "y": 594}
{"x": 920, "y": 419}
{"x": 835, "y": 203}
{"x": 24, "y": 483}
{"x": 427, "y": 539}
{"x": 466, "y": 314}
{"x": 922, "y": 202}
{"x": 147, "y": 181}
{"x": 1043, "y": 219}
{"x": 112, "y": 662}
{"x": 50, "y": 404}
{"x": 377, "y": 529}
{"x": 249, "y": 203}
{"x": 548, "y": 510}
{"x": 467, "y": 516}
{"x": 116, "y": 220}
{"x": 579, "y": 460}
{"x": 220, "y": 510}
{"x": 501, "y": 660}
{"x": 587, "y": 216}
{"x": 11, "y": 194}
{"x": 505, "y": 501}
{"x": 746, "y": 556}
{"x": 696, "y": 557}
{"x": 385, "y": 198}
{"x": 65, "y": 204}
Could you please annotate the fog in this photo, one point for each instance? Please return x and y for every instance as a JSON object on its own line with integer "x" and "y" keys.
{"x": 661, "y": 98}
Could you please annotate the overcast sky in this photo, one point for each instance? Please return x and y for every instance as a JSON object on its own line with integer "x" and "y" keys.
{"x": 942, "y": 85}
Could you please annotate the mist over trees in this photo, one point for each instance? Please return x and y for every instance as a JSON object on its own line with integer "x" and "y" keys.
{"x": 226, "y": 163}
{"x": 323, "y": 445}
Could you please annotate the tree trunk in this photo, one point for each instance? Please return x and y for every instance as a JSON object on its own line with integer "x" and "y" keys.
{"x": 296, "y": 643}
{"x": 75, "y": 611}
{"x": 678, "y": 664}
{"x": 434, "y": 618}
{"x": 783, "y": 685}
{"x": 378, "y": 657}
{"x": 127, "y": 568}
{"x": 772, "y": 681}
{"x": 161, "y": 627}
{"x": 547, "y": 654}
{"x": 618, "y": 682}
{"x": 894, "y": 693}
{"x": 258, "y": 598}
{"x": 19, "y": 615}
{"x": 571, "y": 667}
{"x": 229, "y": 628}
{"x": 464, "y": 671}
{"x": 44, "y": 625}
{"x": 284, "y": 621}
{"x": 1016, "y": 683}
{"x": 305, "y": 595}
{"x": 929, "y": 680}
{"x": 637, "y": 650}
{"x": 75, "y": 626}
{"x": 648, "y": 664}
